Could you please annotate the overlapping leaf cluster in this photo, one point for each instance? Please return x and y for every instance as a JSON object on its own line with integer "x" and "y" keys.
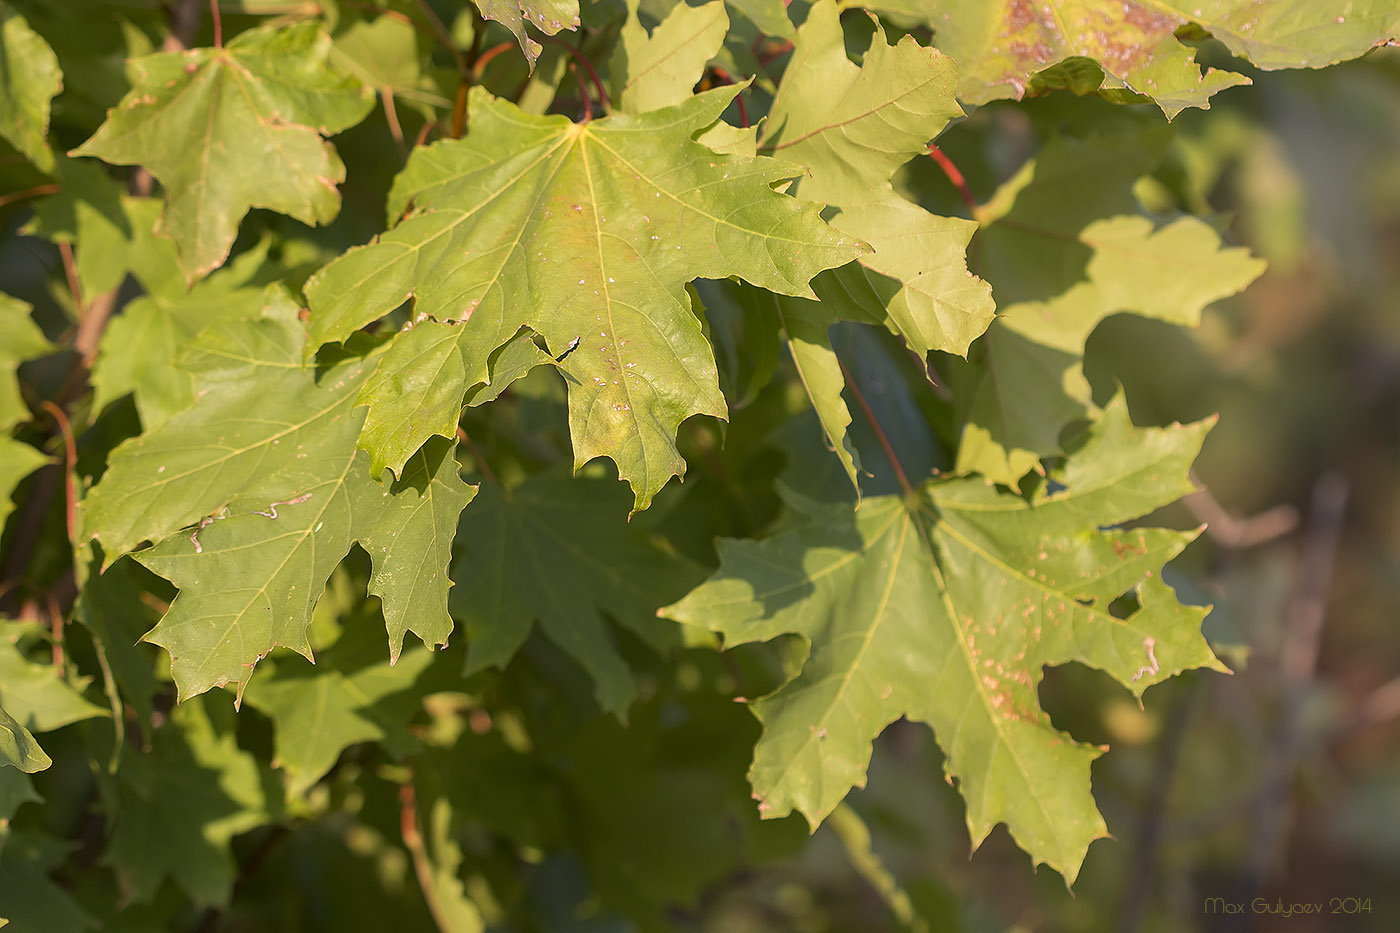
{"x": 687, "y": 242}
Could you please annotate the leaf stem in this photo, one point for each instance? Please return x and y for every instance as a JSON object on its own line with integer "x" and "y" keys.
{"x": 413, "y": 841}
{"x": 484, "y": 58}
{"x": 391, "y": 116}
{"x": 477, "y": 456}
{"x": 444, "y": 37}
{"x": 726, "y": 78}
{"x": 70, "y": 272}
{"x": 218, "y": 24}
{"x": 583, "y": 92}
{"x": 582, "y": 59}
{"x": 854, "y": 836}
{"x": 38, "y": 191}
{"x": 70, "y": 454}
{"x": 955, "y": 176}
{"x": 880, "y": 435}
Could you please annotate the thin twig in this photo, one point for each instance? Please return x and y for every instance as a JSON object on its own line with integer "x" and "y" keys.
{"x": 413, "y": 841}
{"x": 1154, "y": 813}
{"x": 93, "y": 325}
{"x": 477, "y": 456}
{"x": 956, "y": 177}
{"x": 38, "y": 191}
{"x": 444, "y": 38}
{"x": 56, "y": 636}
{"x": 880, "y": 435}
{"x": 1307, "y": 613}
{"x": 587, "y": 65}
{"x": 70, "y": 272}
{"x": 485, "y": 58}
{"x": 70, "y": 452}
{"x": 1238, "y": 533}
{"x": 391, "y": 116}
{"x": 726, "y": 78}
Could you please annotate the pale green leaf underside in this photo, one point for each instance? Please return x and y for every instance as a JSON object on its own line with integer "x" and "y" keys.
{"x": 947, "y": 614}
{"x": 1002, "y": 44}
{"x": 587, "y": 235}
{"x": 193, "y": 118}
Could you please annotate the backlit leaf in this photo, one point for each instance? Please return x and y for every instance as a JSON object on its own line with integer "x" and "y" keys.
{"x": 945, "y": 608}
{"x": 270, "y": 85}
{"x": 586, "y": 234}
{"x": 29, "y": 79}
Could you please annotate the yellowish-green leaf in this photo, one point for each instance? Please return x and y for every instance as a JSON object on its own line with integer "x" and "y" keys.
{"x": 229, "y": 129}
{"x": 586, "y": 234}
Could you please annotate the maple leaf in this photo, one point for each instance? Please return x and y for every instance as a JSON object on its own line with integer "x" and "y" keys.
{"x": 29, "y": 80}
{"x": 20, "y": 340}
{"x": 1003, "y": 44}
{"x": 944, "y": 607}
{"x": 112, "y": 233}
{"x": 548, "y": 16}
{"x": 351, "y": 695}
{"x": 586, "y": 234}
{"x": 1065, "y": 245}
{"x": 296, "y": 495}
{"x": 852, "y": 127}
{"x": 166, "y": 323}
{"x": 182, "y": 803}
{"x": 660, "y": 69}
{"x": 559, "y": 552}
{"x": 269, "y": 85}
{"x": 18, "y": 748}
{"x": 31, "y": 693}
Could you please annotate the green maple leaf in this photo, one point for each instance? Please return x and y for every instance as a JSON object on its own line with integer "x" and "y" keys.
{"x": 111, "y": 232}
{"x": 351, "y": 695}
{"x": 558, "y": 552}
{"x": 586, "y": 234}
{"x": 548, "y": 16}
{"x": 660, "y": 69}
{"x": 944, "y": 607}
{"x": 18, "y": 748}
{"x": 33, "y": 901}
{"x": 151, "y": 331}
{"x": 29, "y": 80}
{"x": 32, "y": 693}
{"x": 1003, "y": 44}
{"x": 770, "y": 16}
{"x": 193, "y": 118}
{"x": 1065, "y": 245}
{"x": 852, "y": 127}
{"x": 296, "y": 496}
{"x": 20, "y": 340}
{"x": 182, "y": 802}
